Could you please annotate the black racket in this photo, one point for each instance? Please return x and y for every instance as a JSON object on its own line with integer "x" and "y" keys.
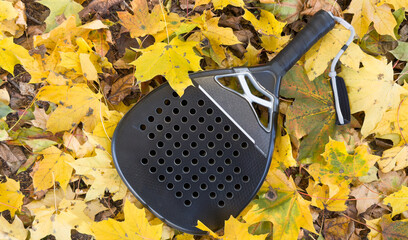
{"x": 205, "y": 155}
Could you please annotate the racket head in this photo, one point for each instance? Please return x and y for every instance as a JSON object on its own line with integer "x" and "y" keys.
{"x": 203, "y": 156}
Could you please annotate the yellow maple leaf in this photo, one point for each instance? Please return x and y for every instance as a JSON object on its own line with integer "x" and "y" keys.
{"x": 386, "y": 228}
{"x": 323, "y": 197}
{"x": 267, "y": 23}
{"x": 394, "y": 159}
{"x": 10, "y": 196}
{"x": 220, "y": 4}
{"x": 374, "y": 101}
{"x": 175, "y": 59}
{"x": 398, "y": 201}
{"x": 103, "y": 174}
{"x": 59, "y": 220}
{"x": 7, "y": 10}
{"x": 13, "y": 231}
{"x": 340, "y": 166}
{"x": 282, "y": 153}
{"x": 274, "y": 43}
{"x": 75, "y": 104}
{"x": 283, "y": 206}
{"x": 107, "y": 127}
{"x": 12, "y": 54}
{"x": 397, "y": 4}
{"x": 318, "y": 58}
{"x": 135, "y": 226}
{"x": 366, "y": 12}
{"x": 79, "y": 149}
{"x": 141, "y": 22}
{"x": 53, "y": 168}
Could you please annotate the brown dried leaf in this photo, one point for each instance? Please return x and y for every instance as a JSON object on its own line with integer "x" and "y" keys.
{"x": 313, "y": 6}
{"x": 338, "y": 228}
{"x": 13, "y": 156}
{"x": 121, "y": 88}
{"x": 366, "y": 195}
{"x": 98, "y": 6}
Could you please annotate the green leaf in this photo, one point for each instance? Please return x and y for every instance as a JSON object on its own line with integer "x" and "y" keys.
{"x": 376, "y": 44}
{"x": 399, "y": 16}
{"x": 312, "y": 117}
{"x": 39, "y": 144}
{"x": 401, "y": 51}
{"x": 60, "y": 9}
{"x": 4, "y": 110}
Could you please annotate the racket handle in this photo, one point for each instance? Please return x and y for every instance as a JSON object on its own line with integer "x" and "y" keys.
{"x": 320, "y": 24}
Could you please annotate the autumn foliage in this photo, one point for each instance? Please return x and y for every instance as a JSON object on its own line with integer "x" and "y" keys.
{"x": 71, "y": 69}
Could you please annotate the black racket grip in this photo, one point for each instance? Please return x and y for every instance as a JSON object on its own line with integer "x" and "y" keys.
{"x": 343, "y": 101}
{"x": 320, "y": 24}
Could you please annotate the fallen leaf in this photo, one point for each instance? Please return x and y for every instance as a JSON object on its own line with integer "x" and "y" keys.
{"x": 366, "y": 195}
{"x": 338, "y": 228}
{"x": 79, "y": 149}
{"x": 11, "y": 197}
{"x": 220, "y": 4}
{"x": 398, "y": 201}
{"x": 13, "y": 156}
{"x": 62, "y": 8}
{"x": 388, "y": 229}
{"x": 401, "y": 51}
{"x": 12, "y": 54}
{"x": 7, "y": 11}
{"x": 41, "y": 118}
{"x": 394, "y": 159}
{"x": 99, "y": 6}
{"x": 121, "y": 88}
{"x": 135, "y": 226}
{"x": 37, "y": 145}
{"x": 267, "y": 23}
{"x": 313, "y": 6}
{"x": 324, "y": 198}
{"x": 176, "y": 59}
{"x": 13, "y": 231}
{"x": 53, "y": 168}
{"x": 284, "y": 10}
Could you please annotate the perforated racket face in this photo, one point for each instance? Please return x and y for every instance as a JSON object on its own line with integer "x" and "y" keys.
{"x": 187, "y": 160}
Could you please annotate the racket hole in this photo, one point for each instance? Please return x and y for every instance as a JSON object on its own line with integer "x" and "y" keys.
{"x": 187, "y": 203}
{"x": 169, "y": 170}
{"x": 193, "y": 144}
{"x": 186, "y": 186}
{"x": 195, "y": 195}
{"x": 176, "y": 128}
{"x": 169, "y": 153}
{"x": 159, "y": 110}
{"x": 151, "y": 136}
{"x": 186, "y": 170}
{"x": 167, "y": 119}
{"x": 203, "y": 186}
{"x": 175, "y": 94}
{"x": 176, "y": 111}
{"x": 167, "y": 102}
{"x": 168, "y": 136}
{"x": 142, "y": 127}
{"x": 245, "y": 179}
{"x": 211, "y": 161}
{"x": 244, "y": 145}
{"x": 152, "y": 153}
{"x": 183, "y": 103}
{"x": 210, "y": 111}
{"x": 177, "y": 178}
{"x": 153, "y": 170}
{"x": 177, "y": 145}
{"x": 177, "y": 161}
{"x": 237, "y": 187}
{"x": 229, "y": 195}
{"x": 201, "y": 119}
{"x": 227, "y": 128}
{"x": 192, "y": 111}
{"x": 235, "y": 136}
{"x": 194, "y": 178}
{"x": 218, "y": 136}
{"x": 228, "y": 178}
{"x": 235, "y": 153}
{"x": 203, "y": 153}
{"x": 159, "y": 127}
{"x": 144, "y": 161}
{"x": 237, "y": 170}
{"x": 210, "y": 128}
{"x": 211, "y": 145}
{"x": 213, "y": 195}
{"x": 179, "y": 194}
{"x": 160, "y": 161}
{"x": 220, "y": 170}
{"x": 150, "y": 119}
{"x": 212, "y": 178}
{"x": 194, "y": 161}
{"x": 218, "y": 119}
{"x": 184, "y": 119}
{"x": 220, "y": 187}
{"x": 221, "y": 204}
{"x": 203, "y": 170}
{"x": 227, "y": 145}
{"x": 161, "y": 178}
{"x": 220, "y": 153}
{"x": 193, "y": 128}
{"x": 184, "y": 136}
{"x": 227, "y": 161}
{"x": 170, "y": 186}
{"x": 201, "y": 136}
{"x": 186, "y": 153}
{"x": 200, "y": 102}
